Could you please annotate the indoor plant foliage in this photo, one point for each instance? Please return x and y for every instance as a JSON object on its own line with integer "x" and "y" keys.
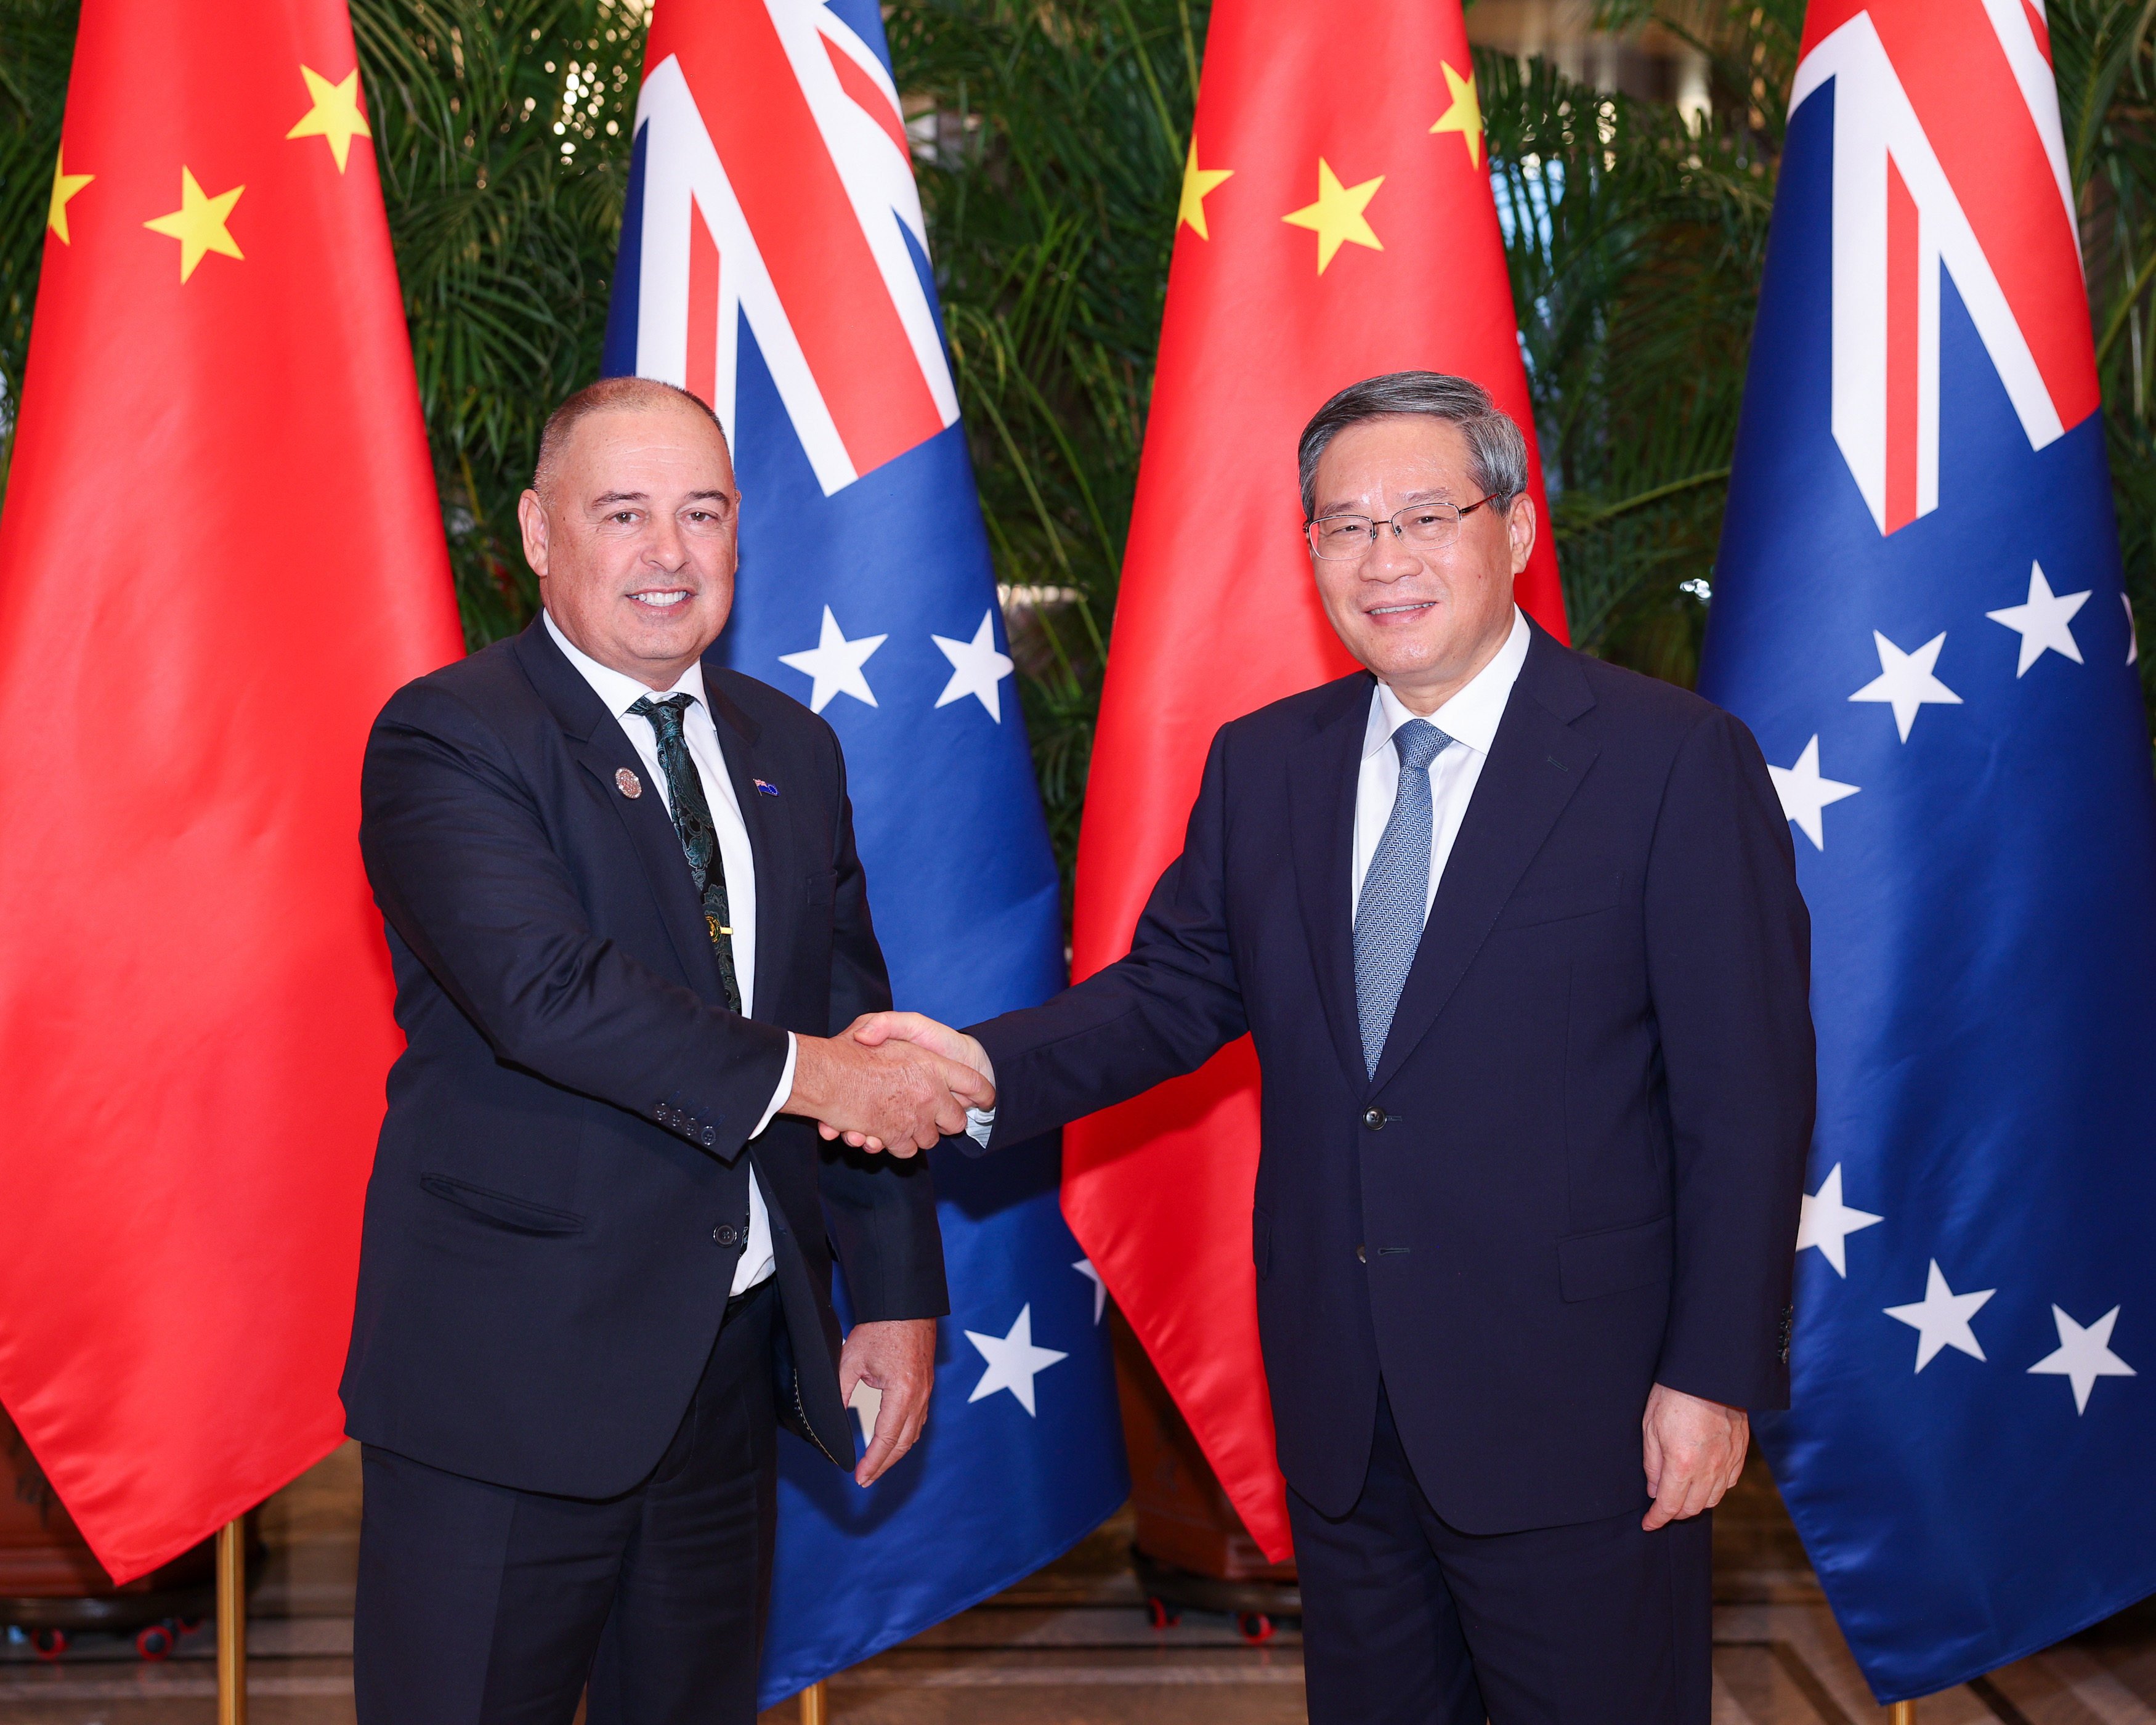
{"x": 1049, "y": 142}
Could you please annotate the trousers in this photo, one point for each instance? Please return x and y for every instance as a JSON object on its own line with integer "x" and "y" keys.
{"x": 481, "y": 1604}
{"x": 1407, "y": 1621}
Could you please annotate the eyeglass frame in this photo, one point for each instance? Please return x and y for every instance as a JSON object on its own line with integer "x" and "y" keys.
{"x": 1460, "y": 511}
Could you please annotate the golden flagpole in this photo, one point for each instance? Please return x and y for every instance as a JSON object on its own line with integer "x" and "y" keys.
{"x": 813, "y": 1706}
{"x": 231, "y": 1623}
{"x": 1902, "y": 1713}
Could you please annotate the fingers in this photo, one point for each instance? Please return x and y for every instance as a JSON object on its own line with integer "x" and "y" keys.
{"x": 898, "y": 1358}
{"x": 899, "y": 1423}
{"x": 1685, "y": 1483}
{"x": 875, "y": 1029}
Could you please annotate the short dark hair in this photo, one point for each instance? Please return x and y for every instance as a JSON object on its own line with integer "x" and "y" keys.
{"x": 596, "y": 398}
{"x": 1496, "y": 452}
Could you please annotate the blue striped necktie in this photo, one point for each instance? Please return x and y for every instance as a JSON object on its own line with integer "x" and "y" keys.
{"x": 1388, "y": 917}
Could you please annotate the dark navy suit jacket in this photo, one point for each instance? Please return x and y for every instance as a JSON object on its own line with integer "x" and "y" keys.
{"x": 1577, "y": 1170}
{"x": 559, "y": 1196}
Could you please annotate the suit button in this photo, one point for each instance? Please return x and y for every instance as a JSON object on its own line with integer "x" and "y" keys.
{"x": 709, "y": 1135}
{"x": 1374, "y": 1118}
{"x": 725, "y": 1235}
{"x": 1361, "y": 1255}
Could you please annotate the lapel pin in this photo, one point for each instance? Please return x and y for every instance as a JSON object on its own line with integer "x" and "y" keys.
{"x": 627, "y": 782}
{"x": 766, "y": 788}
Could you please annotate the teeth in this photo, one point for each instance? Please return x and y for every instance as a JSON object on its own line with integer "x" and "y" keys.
{"x": 1391, "y": 610}
{"x": 659, "y": 599}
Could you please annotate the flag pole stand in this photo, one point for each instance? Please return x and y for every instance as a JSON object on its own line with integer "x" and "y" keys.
{"x": 231, "y": 1623}
{"x": 1902, "y": 1713}
{"x": 812, "y": 1705}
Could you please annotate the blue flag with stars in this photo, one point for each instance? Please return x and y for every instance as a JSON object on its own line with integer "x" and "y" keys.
{"x": 1918, "y": 609}
{"x": 773, "y": 262}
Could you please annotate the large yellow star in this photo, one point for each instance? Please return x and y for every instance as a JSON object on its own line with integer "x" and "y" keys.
{"x": 198, "y": 223}
{"x": 1196, "y": 181}
{"x": 335, "y": 116}
{"x": 65, "y": 185}
{"x": 1337, "y": 216}
{"x": 1464, "y": 116}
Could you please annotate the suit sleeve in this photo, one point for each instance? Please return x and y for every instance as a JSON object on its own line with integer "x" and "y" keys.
{"x": 1163, "y": 1010}
{"x": 466, "y": 875}
{"x": 1729, "y": 961}
{"x": 881, "y": 1210}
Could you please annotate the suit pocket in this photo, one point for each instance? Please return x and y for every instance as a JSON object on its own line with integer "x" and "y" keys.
{"x": 1592, "y": 1265}
{"x": 1560, "y": 903}
{"x": 1261, "y": 1243}
{"x": 518, "y": 1214}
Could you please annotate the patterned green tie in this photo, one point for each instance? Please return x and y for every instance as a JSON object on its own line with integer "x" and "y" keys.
{"x": 700, "y": 838}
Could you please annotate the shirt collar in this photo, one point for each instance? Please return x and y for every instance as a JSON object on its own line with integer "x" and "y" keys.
{"x": 619, "y": 690}
{"x": 1472, "y": 716}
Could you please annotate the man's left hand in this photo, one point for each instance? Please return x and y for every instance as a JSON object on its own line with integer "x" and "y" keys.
{"x": 897, "y": 1358}
{"x": 1695, "y": 1450}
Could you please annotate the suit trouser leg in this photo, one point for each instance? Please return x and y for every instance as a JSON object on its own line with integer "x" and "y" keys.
{"x": 1409, "y": 1621}
{"x": 1382, "y": 1640}
{"x": 681, "y": 1645}
{"x": 481, "y": 1604}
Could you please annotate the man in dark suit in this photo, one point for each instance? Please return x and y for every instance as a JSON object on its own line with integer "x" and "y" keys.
{"x": 626, "y": 916}
{"x": 1518, "y": 937}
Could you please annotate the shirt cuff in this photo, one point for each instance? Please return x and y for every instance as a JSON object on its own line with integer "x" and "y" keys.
{"x": 785, "y": 1087}
{"x": 980, "y": 1122}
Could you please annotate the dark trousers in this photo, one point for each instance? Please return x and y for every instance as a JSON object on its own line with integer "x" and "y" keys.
{"x": 480, "y": 1605}
{"x": 1406, "y": 1621}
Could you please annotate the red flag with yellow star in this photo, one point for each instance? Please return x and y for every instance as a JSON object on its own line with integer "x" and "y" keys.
{"x": 221, "y": 550}
{"x": 1336, "y": 223}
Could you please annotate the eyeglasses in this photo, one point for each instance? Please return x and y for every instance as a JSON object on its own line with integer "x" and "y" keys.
{"x": 1342, "y": 537}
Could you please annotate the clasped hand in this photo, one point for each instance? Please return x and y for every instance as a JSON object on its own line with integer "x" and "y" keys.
{"x": 894, "y": 1081}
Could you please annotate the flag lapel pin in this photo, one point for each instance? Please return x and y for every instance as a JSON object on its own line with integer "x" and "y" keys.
{"x": 627, "y": 782}
{"x": 765, "y": 787}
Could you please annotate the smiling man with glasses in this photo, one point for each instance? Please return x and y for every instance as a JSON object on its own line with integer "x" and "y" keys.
{"x": 1518, "y": 937}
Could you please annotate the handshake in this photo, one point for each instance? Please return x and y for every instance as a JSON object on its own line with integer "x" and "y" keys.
{"x": 893, "y": 1080}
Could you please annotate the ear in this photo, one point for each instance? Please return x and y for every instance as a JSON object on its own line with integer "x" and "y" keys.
{"x": 1520, "y": 529}
{"x": 532, "y": 518}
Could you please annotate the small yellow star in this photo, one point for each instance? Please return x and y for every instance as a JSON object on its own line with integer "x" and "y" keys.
{"x": 1464, "y": 116}
{"x": 198, "y": 223}
{"x": 1196, "y": 181}
{"x": 335, "y": 116}
{"x": 1337, "y": 216}
{"x": 65, "y": 185}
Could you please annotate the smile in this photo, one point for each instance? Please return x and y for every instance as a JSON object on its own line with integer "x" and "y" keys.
{"x": 1396, "y": 610}
{"x": 662, "y": 601}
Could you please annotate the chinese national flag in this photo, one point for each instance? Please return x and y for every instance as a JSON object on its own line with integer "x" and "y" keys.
{"x": 221, "y": 551}
{"x": 1336, "y": 223}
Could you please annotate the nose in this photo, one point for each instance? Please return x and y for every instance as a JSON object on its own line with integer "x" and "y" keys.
{"x": 1389, "y": 559}
{"x": 667, "y": 549}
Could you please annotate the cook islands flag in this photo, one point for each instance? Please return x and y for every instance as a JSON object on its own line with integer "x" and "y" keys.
{"x": 1918, "y": 608}
{"x": 774, "y": 261}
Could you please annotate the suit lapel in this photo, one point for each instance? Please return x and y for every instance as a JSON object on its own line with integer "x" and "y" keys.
{"x": 599, "y": 744}
{"x": 1535, "y": 763}
{"x": 770, "y": 839}
{"x": 1323, "y": 779}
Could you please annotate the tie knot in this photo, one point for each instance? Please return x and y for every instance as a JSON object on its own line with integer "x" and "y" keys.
{"x": 665, "y": 714}
{"x": 1419, "y": 742}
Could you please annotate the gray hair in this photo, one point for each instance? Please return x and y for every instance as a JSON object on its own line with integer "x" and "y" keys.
{"x": 596, "y": 398}
{"x": 1496, "y": 452}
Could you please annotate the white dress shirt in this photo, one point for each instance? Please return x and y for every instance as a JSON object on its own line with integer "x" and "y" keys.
{"x": 620, "y": 693}
{"x": 1470, "y": 720}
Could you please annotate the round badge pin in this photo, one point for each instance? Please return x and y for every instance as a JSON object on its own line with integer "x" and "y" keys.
{"x": 628, "y": 783}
